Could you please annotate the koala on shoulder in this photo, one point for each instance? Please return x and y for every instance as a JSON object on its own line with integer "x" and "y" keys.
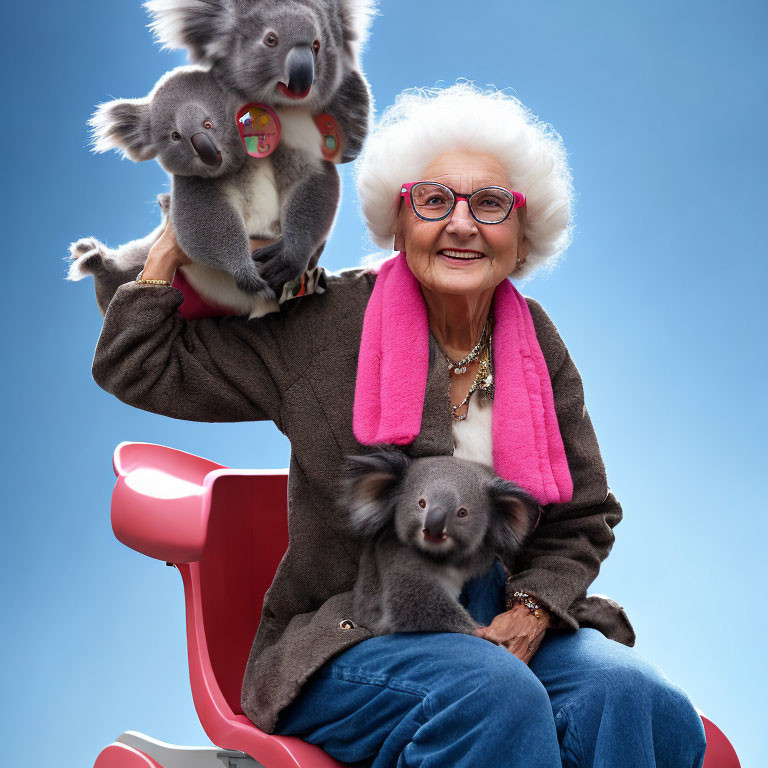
{"x": 303, "y": 59}
{"x": 188, "y": 124}
{"x": 430, "y": 524}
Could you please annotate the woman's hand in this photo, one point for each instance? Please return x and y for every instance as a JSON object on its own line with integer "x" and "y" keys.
{"x": 517, "y": 630}
{"x": 165, "y": 256}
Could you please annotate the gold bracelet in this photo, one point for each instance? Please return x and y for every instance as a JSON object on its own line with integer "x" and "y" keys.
{"x": 523, "y": 598}
{"x": 144, "y": 281}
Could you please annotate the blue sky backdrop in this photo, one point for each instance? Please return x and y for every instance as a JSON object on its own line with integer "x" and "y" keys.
{"x": 661, "y": 301}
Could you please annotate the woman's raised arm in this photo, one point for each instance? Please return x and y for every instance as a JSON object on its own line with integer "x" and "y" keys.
{"x": 216, "y": 369}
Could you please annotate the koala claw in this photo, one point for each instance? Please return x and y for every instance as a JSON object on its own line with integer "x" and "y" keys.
{"x": 250, "y": 281}
{"x": 275, "y": 266}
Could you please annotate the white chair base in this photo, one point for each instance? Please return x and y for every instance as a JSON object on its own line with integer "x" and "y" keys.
{"x": 174, "y": 756}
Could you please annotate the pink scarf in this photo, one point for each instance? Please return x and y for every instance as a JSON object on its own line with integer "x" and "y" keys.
{"x": 392, "y": 379}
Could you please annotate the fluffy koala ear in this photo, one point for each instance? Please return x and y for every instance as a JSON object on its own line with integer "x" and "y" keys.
{"x": 517, "y": 514}
{"x": 123, "y": 124}
{"x": 356, "y": 19}
{"x": 203, "y": 27}
{"x": 368, "y": 486}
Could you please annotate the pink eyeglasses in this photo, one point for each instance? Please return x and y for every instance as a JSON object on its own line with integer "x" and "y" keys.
{"x": 432, "y": 201}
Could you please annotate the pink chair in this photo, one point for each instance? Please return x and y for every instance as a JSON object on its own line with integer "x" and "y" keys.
{"x": 226, "y": 532}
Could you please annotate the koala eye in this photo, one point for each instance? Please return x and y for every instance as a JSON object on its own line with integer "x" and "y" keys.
{"x": 176, "y": 136}
{"x": 422, "y": 503}
{"x": 462, "y": 512}
{"x": 207, "y": 124}
{"x": 316, "y": 47}
{"x": 271, "y": 39}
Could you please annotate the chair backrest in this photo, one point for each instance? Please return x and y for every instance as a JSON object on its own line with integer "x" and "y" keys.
{"x": 247, "y": 538}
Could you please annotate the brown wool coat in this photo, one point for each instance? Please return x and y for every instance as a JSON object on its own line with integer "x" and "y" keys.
{"x": 298, "y": 368}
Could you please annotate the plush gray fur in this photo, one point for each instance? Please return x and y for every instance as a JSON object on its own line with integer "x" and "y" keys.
{"x": 211, "y": 201}
{"x": 111, "y": 268}
{"x": 229, "y": 36}
{"x": 408, "y": 582}
{"x": 267, "y": 52}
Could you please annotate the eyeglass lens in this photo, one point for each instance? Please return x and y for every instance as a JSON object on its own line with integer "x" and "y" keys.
{"x": 434, "y": 201}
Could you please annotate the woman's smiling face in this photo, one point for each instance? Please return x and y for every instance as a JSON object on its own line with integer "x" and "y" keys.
{"x": 458, "y": 255}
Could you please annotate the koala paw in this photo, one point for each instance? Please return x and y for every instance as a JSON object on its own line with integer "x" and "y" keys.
{"x": 87, "y": 256}
{"x": 85, "y": 245}
{"x": 276, "y": 265}
{"x": 248, "y": 279}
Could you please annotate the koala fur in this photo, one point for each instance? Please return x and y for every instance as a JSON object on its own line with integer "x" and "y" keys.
{"x": 430, "y": 524}
{"x": 219, "y": 195}
{"x": 111, "y": 268}
{"x": 301, "y": 58}
{"x": 230, "y": 37}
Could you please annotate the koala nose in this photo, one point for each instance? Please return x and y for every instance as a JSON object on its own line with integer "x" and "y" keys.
{"x": 300, "y": 65}
{"x": 206, "y": 149}
{"x": 434, "y": 523}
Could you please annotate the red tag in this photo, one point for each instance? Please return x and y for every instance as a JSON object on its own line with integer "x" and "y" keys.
{"x": 259, "y": 128}
{"x": 331, "y": 137}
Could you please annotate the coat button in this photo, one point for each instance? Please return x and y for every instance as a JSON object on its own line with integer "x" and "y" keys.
{"x": 347, "y": 624}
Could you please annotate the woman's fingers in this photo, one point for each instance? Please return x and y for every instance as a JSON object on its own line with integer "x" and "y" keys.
{"x": 517, "y": 630}
{"x": 168, "y": 247}
{"x": 164, "y": 256}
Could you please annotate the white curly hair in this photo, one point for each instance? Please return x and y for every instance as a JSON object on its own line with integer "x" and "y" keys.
{"x": 425, "y": 122}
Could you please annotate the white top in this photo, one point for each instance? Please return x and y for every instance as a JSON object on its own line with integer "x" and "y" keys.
{"x": 472, "y": 438}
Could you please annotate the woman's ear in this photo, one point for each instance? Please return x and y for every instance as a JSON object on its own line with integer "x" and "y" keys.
{"x": 523, "y": 245}
{"x": 399, "y": 244}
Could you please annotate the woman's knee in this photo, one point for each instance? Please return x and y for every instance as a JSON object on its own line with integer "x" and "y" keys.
{"x": 635, "y": 694}
{"x": 602, "y": 666}
{"x": 637, "y": 681}
{"x": 494, "y": 678}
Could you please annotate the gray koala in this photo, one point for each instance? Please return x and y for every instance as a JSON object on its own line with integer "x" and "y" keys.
{"x": 218, "y": 198}
{"x": 302, "y": 57}
{"x": 111, "y": 268}
{"x": 430, "y": 524}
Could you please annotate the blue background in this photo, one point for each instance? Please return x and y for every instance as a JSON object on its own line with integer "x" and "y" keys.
{"x": 662, "y": 107}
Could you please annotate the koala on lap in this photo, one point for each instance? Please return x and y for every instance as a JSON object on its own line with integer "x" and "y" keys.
{"x": 299, "y": 68}
{"x": 431, "y": 524}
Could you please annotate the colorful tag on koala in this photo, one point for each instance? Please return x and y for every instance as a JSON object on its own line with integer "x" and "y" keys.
{"x": 331, "y": 146}
{"x": 259, "y": 128}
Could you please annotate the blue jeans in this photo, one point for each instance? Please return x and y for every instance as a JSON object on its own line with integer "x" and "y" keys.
{"x": 448, "y": 700}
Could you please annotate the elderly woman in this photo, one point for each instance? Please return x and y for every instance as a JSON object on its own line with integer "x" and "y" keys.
{"x": 436, "y": 351}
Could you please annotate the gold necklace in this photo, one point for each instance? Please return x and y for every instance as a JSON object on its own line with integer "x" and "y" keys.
{"x": 483, "y": 380}
{"x": 460, "y": 366}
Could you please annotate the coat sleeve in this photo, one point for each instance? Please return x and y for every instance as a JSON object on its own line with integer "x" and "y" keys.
{"x": 563, "y": 556}
{"x": 214, "y": 369}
